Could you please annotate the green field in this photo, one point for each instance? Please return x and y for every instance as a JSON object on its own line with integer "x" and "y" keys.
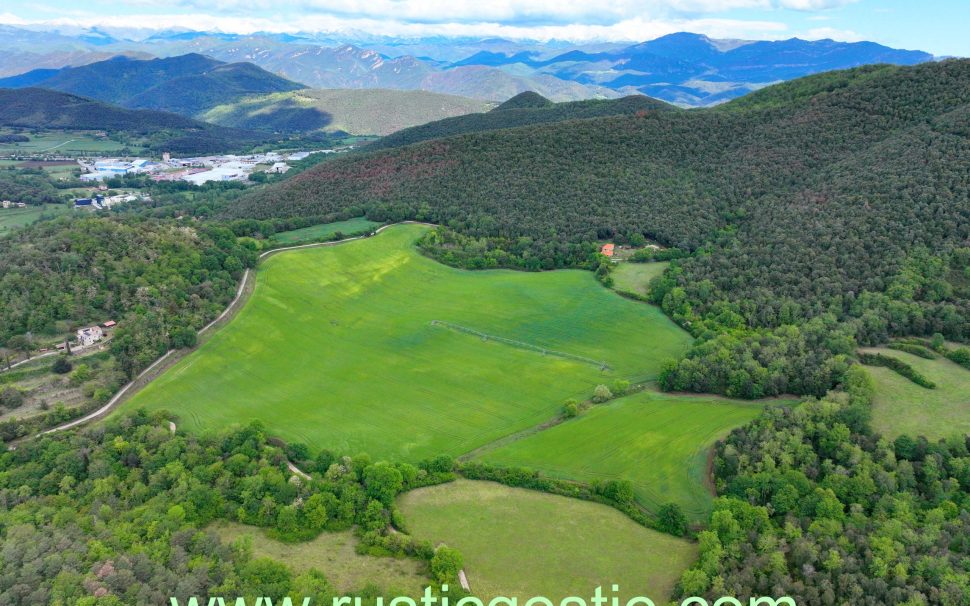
{"x": 337, "y": 348}
{"x": 659, "y": 442}
{"x": 903, "y": 407}
{"x": 316, "y": 233}
{"x": 62, "y": 142}
{"x": 333, "y": 554}
{"x": 521, "y": 543}
{"x": 12, "y": 218}
{"x": 635, "y": 277}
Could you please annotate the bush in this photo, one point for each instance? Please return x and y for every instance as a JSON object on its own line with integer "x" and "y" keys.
{"x": 11, "y": 398}
{"x": 62, "y": 365}
{"x": 445, "y": 564}
{"x": 671, "y": 519}
{"x": 898, "y": 366}
{"x": 601, "y": 394}
{"x": 960, "y": 356}
{"x": 570, "y": 409}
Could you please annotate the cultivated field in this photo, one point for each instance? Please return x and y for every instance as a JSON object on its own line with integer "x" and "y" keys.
{"x": 323, "y": 232}
{"x": 901, "y": 406}
{"x": 635, "y": 277}
{"x": 660, "y": 442}
{"x": 333, "y": 554}
{"x": 370, "y": 347}
{"x": 521, "y": 543}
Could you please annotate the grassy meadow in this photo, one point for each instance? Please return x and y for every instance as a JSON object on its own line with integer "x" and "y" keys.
{"x": 62, "y": 142}
{"x": 338, "y": 348}
{"x": 334, "y": 554}
{"x": 635, "y": 277}
{"x": 658, "y": 441}
{"x": 322, "y": 232}
{"x": 521, "y": 543}
{"x": 903, "y": 407}
{"x": 12, "y": 218}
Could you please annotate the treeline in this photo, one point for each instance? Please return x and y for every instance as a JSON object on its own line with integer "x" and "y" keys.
{"x": 524, "y": 109}
{"x": 817, "y": 507}
{"x": 824, "y": 200}
{"x": 118, "y": 514}
{"x": 159, "y": 280}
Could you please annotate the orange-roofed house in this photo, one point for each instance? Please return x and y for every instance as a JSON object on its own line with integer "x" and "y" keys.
{"x": 607, "y": 250}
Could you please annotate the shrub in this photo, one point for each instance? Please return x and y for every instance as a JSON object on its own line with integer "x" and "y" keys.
{"x": 445, "y": 564}
{"x": 11, "y": 398}
{"x": 601, "y": 394}
{"x": 570, "y": 409}
{"x": 61, "y": 365}
{"x": 898, "y": 366}
{"x": 671, "y": 519}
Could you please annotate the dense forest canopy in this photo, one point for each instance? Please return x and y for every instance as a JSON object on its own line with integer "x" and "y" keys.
{"x": 842, "y": 197}
{"x": 155, "y": 278}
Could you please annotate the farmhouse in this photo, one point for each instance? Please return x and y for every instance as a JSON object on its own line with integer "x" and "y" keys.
{"x": 7, "y": 203}
{"x": 279, "y": 168}
{"x": 607, "y": 250}
{"x": 95, "y": 203}
{"x": 89, "y": 336}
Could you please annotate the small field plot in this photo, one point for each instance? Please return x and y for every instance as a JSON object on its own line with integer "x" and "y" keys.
{"x": 325, "y": 231}
{"x": 334, "y": 554}
{"x": 12, "y": 218}
{"x": 657, "y": 441}
{"x": 62, "y": 142}
{"x": 521, "y": 543}
{"x": 903, "y": 407}
{"x": 635, "y": 277}
{"x": 354, "y": 348}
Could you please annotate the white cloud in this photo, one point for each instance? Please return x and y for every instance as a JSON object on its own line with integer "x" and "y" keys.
{"x": 843, "y": 35}
{"x": 11, "y": 19}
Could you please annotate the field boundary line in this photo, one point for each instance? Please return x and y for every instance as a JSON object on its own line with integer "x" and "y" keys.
{"x": 522, "y": 344}
{"x": 172, "y": 356}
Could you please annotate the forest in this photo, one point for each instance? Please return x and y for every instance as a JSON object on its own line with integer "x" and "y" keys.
{"x": 816, "y": 506}
{"x": 841, "y": 199}
{"x": 157, "y": 279}
{"x": 118, "y": 514}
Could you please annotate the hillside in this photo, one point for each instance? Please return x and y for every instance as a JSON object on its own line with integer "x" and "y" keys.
{"x": 186, "y": 85}
{"x": 45, "y": 109}
{"x": 355, "y": 111}
{"x": 524, "y": 109}
{"x": 807, "y": 199}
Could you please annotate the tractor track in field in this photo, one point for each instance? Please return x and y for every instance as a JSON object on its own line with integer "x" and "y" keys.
{"x": 246, "y": 287}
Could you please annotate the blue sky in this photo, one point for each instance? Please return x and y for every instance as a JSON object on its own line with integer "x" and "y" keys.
{"x": 937, "y": 26}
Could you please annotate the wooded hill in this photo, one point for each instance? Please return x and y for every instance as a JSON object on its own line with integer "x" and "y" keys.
{"x": 524, "y": 109}
{"x": 39, "y": 108}
{"x": 837, "y": 197}
{"x": 187, "y": 84}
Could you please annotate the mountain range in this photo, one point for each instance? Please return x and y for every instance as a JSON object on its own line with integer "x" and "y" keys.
{"x": 685, "y": 69}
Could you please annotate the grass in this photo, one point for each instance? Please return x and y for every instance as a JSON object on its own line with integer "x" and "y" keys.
{"x": 660, "y": 442}
{"x": 333, "y": 554}
{"x": 635, "y": 277}
{"x": 521, "y": 543}
{"x": 902, "y": 407}
{"x": 62, "y": 143}
{"x": 336, "y": 349}
{"x": 12, "y": 218}
{"x": 323, "y": 232}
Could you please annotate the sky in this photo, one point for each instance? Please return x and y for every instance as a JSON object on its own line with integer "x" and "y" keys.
{"x": 936, "y": 26}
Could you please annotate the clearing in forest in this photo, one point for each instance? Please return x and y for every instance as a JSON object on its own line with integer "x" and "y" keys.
{"x": 900, "y": 406}
{"x": 521, "y": 543}
{"x": 660, "y": 442}
{"x": 336, "y": 348}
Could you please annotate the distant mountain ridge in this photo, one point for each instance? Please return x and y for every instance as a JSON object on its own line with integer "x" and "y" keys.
{"x": 187, "y": 84}
{"x": 692, "y": 69}
{"x": 684, "y": 68}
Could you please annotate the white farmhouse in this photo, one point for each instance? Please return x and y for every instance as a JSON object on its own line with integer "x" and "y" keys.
{"x": 89, "y": 336}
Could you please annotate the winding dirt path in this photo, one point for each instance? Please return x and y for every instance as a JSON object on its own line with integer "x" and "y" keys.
{"x": 246, "y": 287}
